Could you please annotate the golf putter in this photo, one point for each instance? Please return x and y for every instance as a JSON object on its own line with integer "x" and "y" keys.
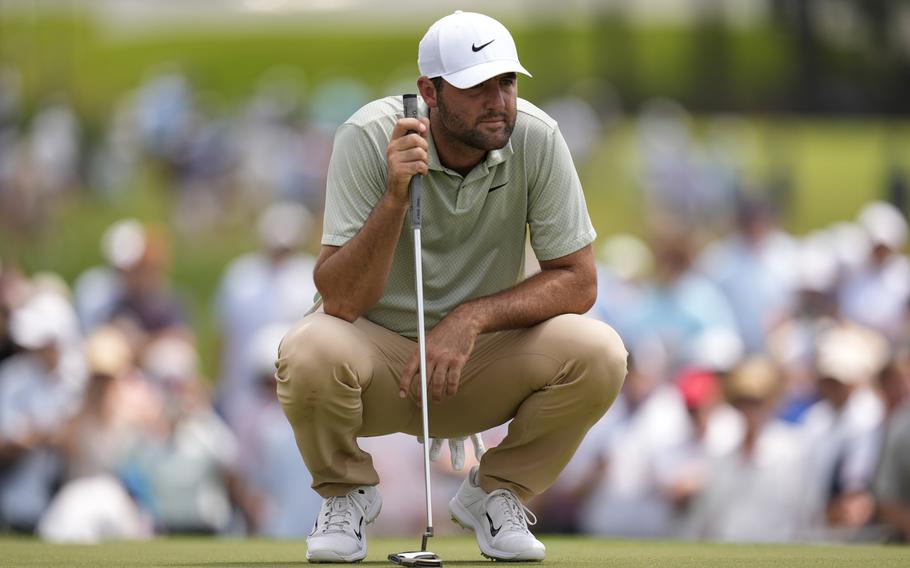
{"x": 420, "y": 557}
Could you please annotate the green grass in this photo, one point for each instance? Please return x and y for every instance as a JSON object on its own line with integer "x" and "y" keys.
{"x": 564, "y": 552}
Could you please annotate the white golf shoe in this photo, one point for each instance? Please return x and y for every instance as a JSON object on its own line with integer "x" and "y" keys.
{"x": 338, "y": 535}
{"x": 498, "y": 519}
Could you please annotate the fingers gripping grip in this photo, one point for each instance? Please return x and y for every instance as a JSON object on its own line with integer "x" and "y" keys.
{"x": 414, "y": 188}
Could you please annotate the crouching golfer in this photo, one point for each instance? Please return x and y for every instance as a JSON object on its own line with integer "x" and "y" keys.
{"x": 499, "y": 347}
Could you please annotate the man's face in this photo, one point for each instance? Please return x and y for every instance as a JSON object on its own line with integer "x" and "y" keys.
{"x": 482, "y": 116}
{"x": 835, "y": 392}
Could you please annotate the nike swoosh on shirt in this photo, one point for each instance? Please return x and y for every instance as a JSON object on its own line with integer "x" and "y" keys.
{"x": 494, "y": 188}
{"x": 475, "y": 49}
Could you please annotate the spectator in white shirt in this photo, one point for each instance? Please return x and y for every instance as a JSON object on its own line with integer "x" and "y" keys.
{"x": 842, "y": 428}
{"x": 271, "y": 286}
{"x": 756, "y": 493}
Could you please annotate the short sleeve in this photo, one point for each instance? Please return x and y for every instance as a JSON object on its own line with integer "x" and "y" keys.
{"x": 557, "y": 213}
{"x": 356, "y": 180}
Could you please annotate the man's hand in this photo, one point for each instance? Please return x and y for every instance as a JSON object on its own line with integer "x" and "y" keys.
{"x": 456, "y": 449}
{"x": 407, "y": 154}
{"x": 353, "y": 277}
{"x": 449, "y": 345}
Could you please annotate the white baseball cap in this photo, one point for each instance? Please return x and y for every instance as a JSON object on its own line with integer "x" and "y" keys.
{"x": 851, "y": 354}
{"x": 466, "y": 48}
{"x": 885, "y": 224}
{"x": 124, "y": 243}
{"x": 45, "y": 319}
{"x": 284, "y": 225}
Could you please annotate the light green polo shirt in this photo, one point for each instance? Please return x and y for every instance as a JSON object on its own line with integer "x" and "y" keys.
{"x": 474, "y": 227}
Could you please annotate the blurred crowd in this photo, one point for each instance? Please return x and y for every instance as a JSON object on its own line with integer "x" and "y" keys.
{"x": 767, "y": 398}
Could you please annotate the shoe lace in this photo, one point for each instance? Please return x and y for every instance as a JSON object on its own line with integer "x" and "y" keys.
{"x": 338, "y": 512}
{"x": 515, "y": 514}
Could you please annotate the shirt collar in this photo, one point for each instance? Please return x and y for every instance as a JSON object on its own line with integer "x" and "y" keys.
{"x": 492, "y": 159}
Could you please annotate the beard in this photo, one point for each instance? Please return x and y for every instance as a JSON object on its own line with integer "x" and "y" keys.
{"x": 470, "y": 135}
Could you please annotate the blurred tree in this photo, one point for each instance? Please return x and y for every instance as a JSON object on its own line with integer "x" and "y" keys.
{"x": 712, "y": 85}
{"x": 861, "y": 67}
{"x": 616, "y": 59}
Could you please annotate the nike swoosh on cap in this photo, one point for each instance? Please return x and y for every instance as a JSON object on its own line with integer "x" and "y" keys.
{"x": 475, "y": 49}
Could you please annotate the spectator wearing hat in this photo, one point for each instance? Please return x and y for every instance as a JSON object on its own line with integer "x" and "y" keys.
{"x": 118, "y": 405}
{"x": 842, "y": 427}
{"x": 133, "y": 290}
{"x": 792, "y": 342}
{"x": 40, "y": 388}
{"x": 876, "y": 295}
{"x": 147, "y": 306}
{"x": 756, "y": 492}
{"x": 271, "y": 286}
{"x": 96, "y": 288}
{"x": 713, "y": 430}
{"x": 93, "y": 505}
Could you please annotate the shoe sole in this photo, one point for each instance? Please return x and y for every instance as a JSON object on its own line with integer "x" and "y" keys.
{"x": 486, "y": 551}
{"x": 336, "y": 560}
{"x": 332, "y": 558}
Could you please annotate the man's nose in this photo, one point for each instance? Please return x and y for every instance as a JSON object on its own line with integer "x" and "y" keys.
{"x": 496, "y": 97}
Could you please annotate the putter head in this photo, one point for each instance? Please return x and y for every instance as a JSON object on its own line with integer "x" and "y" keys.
{"x": 416, "y": 558}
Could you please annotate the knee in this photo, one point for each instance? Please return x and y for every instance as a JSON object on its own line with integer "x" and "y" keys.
{"x": 320, "y": 350}
{"x": 601, "y": 360}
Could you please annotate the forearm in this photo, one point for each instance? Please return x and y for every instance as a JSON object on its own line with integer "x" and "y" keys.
{"x": 352, "y": 278}
{"x": 560, "y": 289}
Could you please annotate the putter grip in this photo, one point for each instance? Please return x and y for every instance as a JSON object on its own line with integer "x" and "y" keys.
{"x": 414, "y": 187}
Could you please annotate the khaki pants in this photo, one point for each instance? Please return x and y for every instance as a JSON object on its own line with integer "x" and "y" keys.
{"x": 339, "y": 380}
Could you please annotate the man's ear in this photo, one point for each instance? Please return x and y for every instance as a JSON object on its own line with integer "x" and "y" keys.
{"x": 427, "y": 91}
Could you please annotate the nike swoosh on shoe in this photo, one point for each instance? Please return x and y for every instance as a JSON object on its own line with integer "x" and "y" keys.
{"x": 493, "y": 530}
{"x": 359, "y": 531}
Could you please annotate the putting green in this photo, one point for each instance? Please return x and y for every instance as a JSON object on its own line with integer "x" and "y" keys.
{"x": 461, "y": 551}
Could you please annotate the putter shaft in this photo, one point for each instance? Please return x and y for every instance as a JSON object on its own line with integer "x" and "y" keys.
{"x": 422, "y": 347}
{"x": 414, "y": 190}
